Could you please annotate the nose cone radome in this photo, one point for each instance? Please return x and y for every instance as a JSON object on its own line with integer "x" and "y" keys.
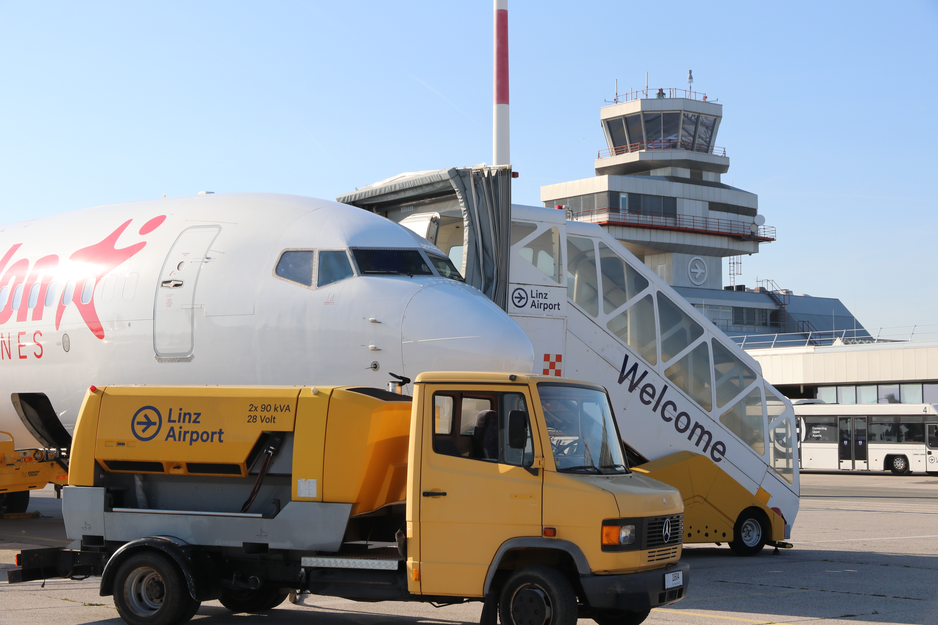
{"x": 449, "y": 326}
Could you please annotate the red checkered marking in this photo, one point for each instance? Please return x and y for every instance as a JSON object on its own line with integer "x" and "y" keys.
{"x": 552, "y": 364}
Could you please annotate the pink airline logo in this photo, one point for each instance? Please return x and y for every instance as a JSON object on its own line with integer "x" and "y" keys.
{"x": 96, "y": 260}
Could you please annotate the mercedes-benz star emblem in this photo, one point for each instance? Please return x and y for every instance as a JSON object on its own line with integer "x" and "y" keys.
{"x": 666, "y": 530}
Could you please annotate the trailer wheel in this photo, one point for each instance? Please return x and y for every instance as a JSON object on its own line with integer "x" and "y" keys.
{"x": 537, "y": 595}
{"x": 900, "y": 465}
{"x": 621, "y": 617}
{"x": 14, "y": 503}
{"x": 749, "y": 533}
{"x": 150, "y": 590}
{"x": 253, "y": 600}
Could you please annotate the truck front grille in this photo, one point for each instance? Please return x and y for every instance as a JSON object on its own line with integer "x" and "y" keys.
{"x": 661, "y": 555}
{"x": 664, "y": 531}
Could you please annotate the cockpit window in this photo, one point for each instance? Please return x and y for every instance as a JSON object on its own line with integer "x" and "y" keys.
{"x": 445, "y": 267}
{"x": 296, "y": 266}
{"x": 334, "y": 266}
{"x": 391, "y": 262}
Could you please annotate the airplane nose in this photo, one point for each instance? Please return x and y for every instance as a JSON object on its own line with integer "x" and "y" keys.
{"x": 449, "y": 326}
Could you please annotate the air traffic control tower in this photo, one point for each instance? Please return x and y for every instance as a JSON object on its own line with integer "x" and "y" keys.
{"x": 658, "y": 190}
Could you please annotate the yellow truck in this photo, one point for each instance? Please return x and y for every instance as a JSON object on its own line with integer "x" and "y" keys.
{"x": 507, "y": 489}
{"x": 23, "y": 470}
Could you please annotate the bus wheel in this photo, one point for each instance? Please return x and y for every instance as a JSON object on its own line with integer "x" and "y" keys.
{"x": 14, "y": 503}
{"x": 537, "y": 595}
{"x": 749, "y": 533}
{"x": 900, "y": 465}
{"x": 150, "y": 590}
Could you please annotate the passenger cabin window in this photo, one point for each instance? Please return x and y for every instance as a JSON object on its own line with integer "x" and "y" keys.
{"x": 334, "y": 266}
{"x": 296, "y": 266}
{"x": 475, "y": 426}
{"x": 51, "y": 293}
{"x": 445, "y": 267}
{"x": 400, "y": 262}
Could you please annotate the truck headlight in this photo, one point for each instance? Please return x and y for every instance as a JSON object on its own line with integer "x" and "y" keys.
{"x": 618, "y": 534}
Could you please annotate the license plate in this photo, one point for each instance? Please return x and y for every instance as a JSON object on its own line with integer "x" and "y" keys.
{"x": 673, "y": 580}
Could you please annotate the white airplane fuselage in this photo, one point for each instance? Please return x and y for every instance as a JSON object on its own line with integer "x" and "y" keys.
{"x": 187, "y": 291}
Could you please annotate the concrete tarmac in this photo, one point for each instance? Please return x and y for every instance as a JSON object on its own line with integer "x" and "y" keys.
{"x": 866, "y": 551}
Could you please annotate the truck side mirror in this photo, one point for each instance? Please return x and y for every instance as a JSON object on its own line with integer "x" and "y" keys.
{"x": 517, "y": 429}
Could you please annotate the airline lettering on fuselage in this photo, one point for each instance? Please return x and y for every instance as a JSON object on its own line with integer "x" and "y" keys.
{"x": 668, "y": 410}
{"x": 100, "y": 258}
{"x": 23, "y": 349}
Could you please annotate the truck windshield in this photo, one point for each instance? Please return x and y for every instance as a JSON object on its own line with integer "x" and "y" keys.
{"x": 581, "y": 429}
{"x": 401, "y": 262}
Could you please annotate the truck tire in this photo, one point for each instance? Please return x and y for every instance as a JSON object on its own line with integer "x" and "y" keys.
{"x": 149, "y": 589}
{"x": 537, "y": 595}
{"x": 749, "y": 533}
{"x": 253, "y": 600}
{"x": 899, "y": 465}
{"x": 14, "y": 503}
{"x": 621, "y": 617}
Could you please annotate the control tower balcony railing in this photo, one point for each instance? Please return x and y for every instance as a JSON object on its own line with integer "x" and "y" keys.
{"x": 661, "y": 145}
{"x": 643, "y": 94}
{"x": 677, "y": 223}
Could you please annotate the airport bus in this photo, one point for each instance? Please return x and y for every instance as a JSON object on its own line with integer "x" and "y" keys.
{"x": 901, "y": 438}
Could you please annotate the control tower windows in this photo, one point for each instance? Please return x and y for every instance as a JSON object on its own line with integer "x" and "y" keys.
{"x": 633, "y": 124}
{"x": 689, "y": 131}
{"x": 705, "y": 133}
{"x": 670, "y": 126}
{"x": 653, "y": 129}
{"x": 617, "y": 133}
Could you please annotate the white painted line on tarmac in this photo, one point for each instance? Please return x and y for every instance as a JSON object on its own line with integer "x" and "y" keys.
{"x": 851, "y": 540}
{"x": 717, "y": 616}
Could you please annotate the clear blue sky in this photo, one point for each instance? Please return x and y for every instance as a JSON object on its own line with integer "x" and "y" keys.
{"x": 827, "y": 110}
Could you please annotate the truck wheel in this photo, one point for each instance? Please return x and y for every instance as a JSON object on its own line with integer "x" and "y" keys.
{"x": 14, "y": 503}
{"x": 150, "y": 590}
{"x": 900, "y": 465}
{"x": 749, "y": 533}
{"x": 253, "y": 600}
{"x": 537, "y": 595}
{"x": 621, "y": 617}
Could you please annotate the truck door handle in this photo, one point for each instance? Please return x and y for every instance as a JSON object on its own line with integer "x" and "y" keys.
{"x": 434, "y": 493}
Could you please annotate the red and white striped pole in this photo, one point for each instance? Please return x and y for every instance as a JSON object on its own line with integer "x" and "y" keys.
{"x": 500, "y": 137}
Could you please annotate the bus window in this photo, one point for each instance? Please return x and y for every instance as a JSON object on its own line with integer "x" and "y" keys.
{"x": 882, "y": 430}
{"x": 820, "y": 429}
{"x": 911, "y": 429}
